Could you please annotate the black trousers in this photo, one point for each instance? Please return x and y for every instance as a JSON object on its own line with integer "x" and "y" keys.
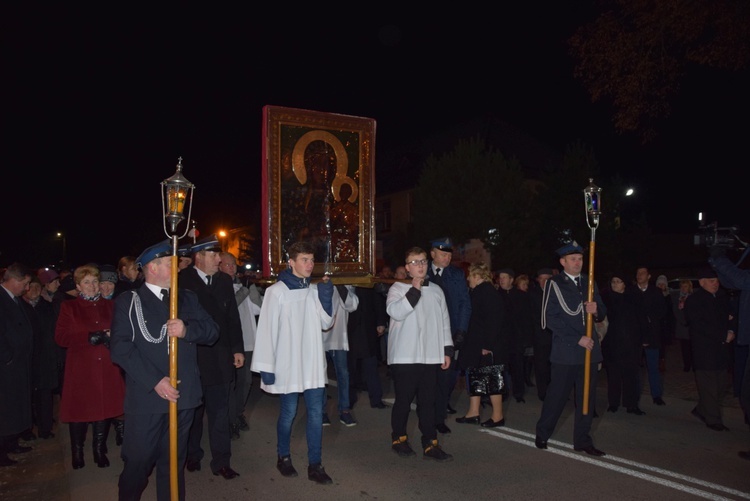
{"x": 216, "y": 407}
{"x": 622, "y": 383}
{"x": 564, "y": 379}
{"x": 147, "y": 444}
{"x": 409, "y": 381}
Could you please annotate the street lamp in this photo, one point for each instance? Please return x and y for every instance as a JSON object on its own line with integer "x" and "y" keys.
{"x": 593, "y": 205}
{"x": 176, "y": 192}
{"x": 61, "y": 235}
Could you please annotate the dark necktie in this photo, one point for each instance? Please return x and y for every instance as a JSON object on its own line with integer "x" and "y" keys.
{"x": 208, "y": 279}
{"x": 165, "y": 296}
{"x": 437, "y": 272}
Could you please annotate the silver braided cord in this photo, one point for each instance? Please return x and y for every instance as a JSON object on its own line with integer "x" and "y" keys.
{"x": 563, "y": 304}
{"x": 136, "y": 302}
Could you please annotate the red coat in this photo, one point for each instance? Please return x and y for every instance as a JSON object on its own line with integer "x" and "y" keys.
{"x": 93, "y": 387}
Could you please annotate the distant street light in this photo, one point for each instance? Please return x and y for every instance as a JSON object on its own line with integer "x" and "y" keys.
{"x": 61, "y": 235}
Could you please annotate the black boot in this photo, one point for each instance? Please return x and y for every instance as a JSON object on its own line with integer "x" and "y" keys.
{"x": 77, "y": 438}
{"x": 119, "y": 430}
{"x": 101, "y": 432}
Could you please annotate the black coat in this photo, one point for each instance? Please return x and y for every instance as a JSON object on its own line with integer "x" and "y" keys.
{"x": 216, "y": 362}
{"x": 487, "y": 329}
{"x": 624, "y": 339}
{"x": 363, "y": 322}
{"x": 16, "y": 345}
{"x": 654, "y": 307}
{"x": 45, "y": 357}
{"x": 708, "y": 320}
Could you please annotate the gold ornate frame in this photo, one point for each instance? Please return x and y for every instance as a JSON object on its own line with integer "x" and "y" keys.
{"x": 319, "y": 186}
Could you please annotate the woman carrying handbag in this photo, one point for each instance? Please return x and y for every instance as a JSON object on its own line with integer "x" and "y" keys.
{"x": 486, "y": 337}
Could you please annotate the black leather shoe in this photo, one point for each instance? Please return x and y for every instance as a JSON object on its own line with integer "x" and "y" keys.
{"x": 380, "y": 405}
{"x": 46, "y": 436}
{"x": 27, "y": 436}
{"x": 636, "y": 411}
{"x": 451, "y": 410}
{"x": 6, "y": 461}
{"x": 227, "y": 473}
{"x": 285, "y": 467}
{"x": 18, "y": 449}
{"x": 590, "y": 450}
{"x": 540, "y": 444}
{"x": 442, "y": 428}
{"x": 718, "y": 427}
{"x": 520, "y": 400}
{"x": 234, "y": 431}
{"x": 317, "y": 473}
{"x": 243, "y": 423}
{"x": 659, "y": 401}
{"x": 612, "y": 408}
{"x": 193, "y": 465}
{"x": 697, "y": 414}
{"x": 468, "y": 420}
{"x": 493, "y": 424}
{"x": 744, "y": 454}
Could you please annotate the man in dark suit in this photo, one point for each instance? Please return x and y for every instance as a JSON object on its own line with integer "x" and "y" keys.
{"x": 655, "y": 308}
{"x": 453, "y": 282}
{"x": 16, "y": 340}
{"x": 566, "y": 313}
{"x": 712, "y": 328}
{"x": 141, "y": 329}
{"x": 217, "y": 362}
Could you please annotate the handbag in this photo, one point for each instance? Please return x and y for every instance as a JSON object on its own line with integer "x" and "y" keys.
{"x": 487, "y": 379}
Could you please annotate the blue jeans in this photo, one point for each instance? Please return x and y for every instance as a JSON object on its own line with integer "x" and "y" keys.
{"x": 341, "y": 366}
{"x": 654, "y": 376}
{"x": 314, "y": 429}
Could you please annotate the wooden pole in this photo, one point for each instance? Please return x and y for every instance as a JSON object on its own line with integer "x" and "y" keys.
{"x": 173, "y": 484}
{"x": 589, "y": 326}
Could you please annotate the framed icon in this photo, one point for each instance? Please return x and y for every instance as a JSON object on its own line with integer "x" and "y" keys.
{"x": 318, "y": 186}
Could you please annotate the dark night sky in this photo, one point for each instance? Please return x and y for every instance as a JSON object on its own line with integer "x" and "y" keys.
{"x": 98, "y": 106}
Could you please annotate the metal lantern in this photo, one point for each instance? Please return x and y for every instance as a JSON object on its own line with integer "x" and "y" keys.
{"x": 592, "y": 198}
{"x": 177, "y": 192}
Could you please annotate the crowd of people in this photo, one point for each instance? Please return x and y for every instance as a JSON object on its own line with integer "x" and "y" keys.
{"x": 97, "y": 337}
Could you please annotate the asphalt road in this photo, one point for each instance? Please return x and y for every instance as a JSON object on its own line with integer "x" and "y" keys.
{"x": 666, "y": 455}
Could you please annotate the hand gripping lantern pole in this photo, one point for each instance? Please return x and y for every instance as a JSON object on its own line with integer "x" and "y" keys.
{"x": 176, "y": 194}
{"x": 592, "y": 200}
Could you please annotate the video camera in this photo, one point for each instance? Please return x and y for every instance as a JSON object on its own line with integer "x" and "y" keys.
{"x": 712, "y": 235}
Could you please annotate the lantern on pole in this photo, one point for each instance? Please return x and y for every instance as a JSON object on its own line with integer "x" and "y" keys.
{"x": 176, "y": 195}
{"x": 592, "y": 201}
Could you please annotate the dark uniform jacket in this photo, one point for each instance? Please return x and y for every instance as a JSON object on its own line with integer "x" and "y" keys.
{"x": 567, "y": 329}
{"x": 453, "y": 282}
{"x": 145, "y": 362}
{"x": 216, "y": 362}
{"x": 16, "y": 338}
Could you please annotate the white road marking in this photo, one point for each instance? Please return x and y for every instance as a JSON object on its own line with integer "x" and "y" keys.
{"x": 528, "y": 439}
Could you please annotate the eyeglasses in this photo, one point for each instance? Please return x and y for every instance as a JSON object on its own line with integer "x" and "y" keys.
{"x": 417, "y": 262}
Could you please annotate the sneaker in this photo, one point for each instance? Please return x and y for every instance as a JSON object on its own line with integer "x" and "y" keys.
{"x": 285, "y": 467}
{"x": 347, "y": 419}
{"x": 401, "y": 447}
{"x": 434, "y": 451}
{"x": 317, "y": 473}
{"x": 326, "y": 420}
